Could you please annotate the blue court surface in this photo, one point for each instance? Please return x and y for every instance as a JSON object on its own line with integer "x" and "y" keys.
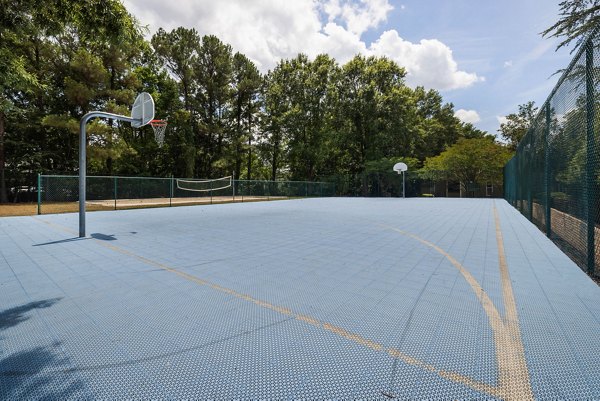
{"x": 336, "y": 298}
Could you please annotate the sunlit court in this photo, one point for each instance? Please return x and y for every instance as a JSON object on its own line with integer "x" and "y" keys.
{"x": 339, "y": 298}
{"x": 300, "y": 200}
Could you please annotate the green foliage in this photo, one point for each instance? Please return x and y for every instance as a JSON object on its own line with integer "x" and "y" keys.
{"x": 477, "y": 161}
{"x": 387, "y": 163}
{"x": 517, "y": 125}
{"x": 578, "y": 18}
{"x": 307, "y": 119}
{"x": 56, "y": 60}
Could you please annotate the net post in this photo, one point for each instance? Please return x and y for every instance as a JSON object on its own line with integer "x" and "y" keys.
{"x": 39, "y": 193}
{"x": 590, "y": 156}
{"x": 115, "y": 191}
{"x": 233, "y": 185}
{"x": 211, "y": 200}
{"x": 547, "y": 195}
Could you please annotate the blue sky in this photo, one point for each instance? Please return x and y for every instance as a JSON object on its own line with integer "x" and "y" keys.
{"x": 486, "y": 57}
{"x": 498, "y": 40}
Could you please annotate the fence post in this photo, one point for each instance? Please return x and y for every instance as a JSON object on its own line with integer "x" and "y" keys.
{"x": 547, "y": 194}
{"x": 171, "y": 191}
{"x": 519, "y": 183}
{"x": 530, "y": 176}
{"x": 590, "y": 156}
{"x": 39, "y": 194}
{"x": 115, "y": 192}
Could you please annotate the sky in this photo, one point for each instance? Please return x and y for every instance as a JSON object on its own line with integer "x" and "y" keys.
{"x": 484, "y": 56}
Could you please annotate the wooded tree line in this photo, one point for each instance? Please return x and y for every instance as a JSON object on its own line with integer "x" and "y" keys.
{"x": 306, "y": 119}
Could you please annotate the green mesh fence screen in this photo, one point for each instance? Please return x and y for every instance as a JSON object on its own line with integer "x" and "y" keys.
{"x": 389, "y": 184}
{"x": 60, "y": 193}
{"x": 553, "y": 177}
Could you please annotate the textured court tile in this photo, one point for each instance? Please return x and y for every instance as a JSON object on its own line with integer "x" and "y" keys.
{"x": 309, "y": 299}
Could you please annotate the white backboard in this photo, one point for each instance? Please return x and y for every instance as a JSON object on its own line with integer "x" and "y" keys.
{"x": 142, "y": 111}
{"x": 399, "y": 167}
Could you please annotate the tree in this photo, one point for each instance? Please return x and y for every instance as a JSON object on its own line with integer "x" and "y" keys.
{"x": 367, "y": 115}
{"x": 30, "y": 34}
{"x": 517, "y": 125}
{"x": 246, "y": 82}
{"x": 577, "y": 19}
{"x": 438, "y": 127}
{"x": 178, "y": 51}
{"x": 275, "y": 109}
{"x": 305, "y": 121}
{"x": 213, "y": 74}
{"x": 470, "y": 161}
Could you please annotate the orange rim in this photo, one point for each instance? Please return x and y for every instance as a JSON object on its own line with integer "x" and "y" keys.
{"x": 158, "y": 123}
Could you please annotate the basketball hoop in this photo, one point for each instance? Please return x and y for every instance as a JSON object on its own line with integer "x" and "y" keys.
{"x": 159, "y": 127}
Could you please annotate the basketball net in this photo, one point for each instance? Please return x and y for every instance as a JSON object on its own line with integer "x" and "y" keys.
{"x": 159, "y": 127}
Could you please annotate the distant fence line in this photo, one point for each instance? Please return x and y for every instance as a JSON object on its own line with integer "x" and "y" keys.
{"x": 113, "y": 192}
{"x": 389, "y": 184}
{"x": 553, "y": 178}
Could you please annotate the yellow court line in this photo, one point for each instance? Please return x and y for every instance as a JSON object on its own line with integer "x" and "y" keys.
{"x": 513, "y": 375}
{"x": 512, "y": 366}
{"x": 514, "y": 382}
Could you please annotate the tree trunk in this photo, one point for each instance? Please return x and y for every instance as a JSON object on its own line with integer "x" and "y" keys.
{"x": 3, "y": 195}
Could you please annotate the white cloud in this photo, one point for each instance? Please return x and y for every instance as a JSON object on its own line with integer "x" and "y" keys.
{"x": 429, "y": 63}
{"x": 358, "y": 16}
{"x": 501, "y": 120}
{"x": 467, "y": 116}
{"x": 269, "y": 30}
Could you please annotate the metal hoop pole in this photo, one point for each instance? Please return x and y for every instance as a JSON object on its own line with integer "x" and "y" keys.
{"x": 82, "y": 159}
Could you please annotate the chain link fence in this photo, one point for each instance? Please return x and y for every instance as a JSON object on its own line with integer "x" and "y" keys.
{"x": 60, "y": 193}
{"x": 553, "y": 177}
{"x": 389, "y": 184}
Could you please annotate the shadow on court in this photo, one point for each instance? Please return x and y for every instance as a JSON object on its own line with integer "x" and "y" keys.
{"x": 98, "y": 236}
{"x": 13, "y": 316}
{"x": 62, "y": 241}
{"x": 103, "y": 237}
{"x": 32, "y": 374}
